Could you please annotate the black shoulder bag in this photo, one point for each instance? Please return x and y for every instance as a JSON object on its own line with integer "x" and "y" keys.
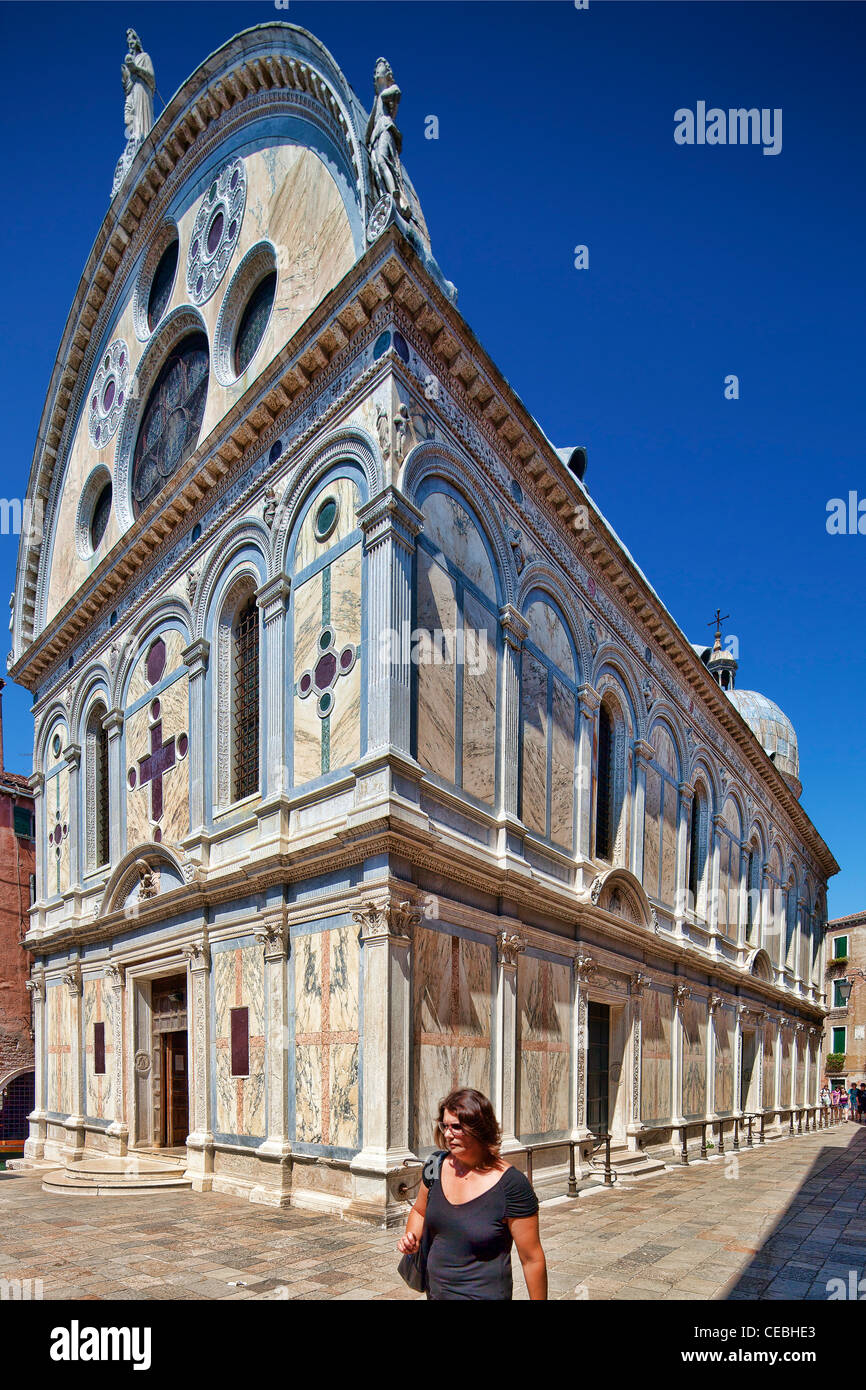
{"x": 413, "y": 1268}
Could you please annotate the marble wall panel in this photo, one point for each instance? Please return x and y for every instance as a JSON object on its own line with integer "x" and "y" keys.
{"x": 479, "y": 701}
{"x": 98, "y": 1007}
{"x": 669, "y": 846}
{"x": 327, "y": 966}
{"x": 58, "y": 1008}
{"x": 449, "y": 527}
{"x": 238, "y": 975}
{"x": 724, "y": 1066}
{"x": 769, "y": 1067}
{"x": 563, "y": 765}
{"x": 437, "y": 683}
{"x": 345, "y": 604}
{"x": 652, "y": 836}
{"x": 452, "y": 1015}
{"x": 139, "y": 685}
{"x": 534, "y": 708}
{"x": 544, "y": 1029}
{"x": 656, "y": 1030}
{"x": 800, "y": 1082}
{"x": 60, "y": 831}
{"x": 307, "y": 600}
{"x": 308, "y": 548}
{"x": 548, "y": 634}
{"x": 694, "y": 1016}
{"x": 786, "y": 1039}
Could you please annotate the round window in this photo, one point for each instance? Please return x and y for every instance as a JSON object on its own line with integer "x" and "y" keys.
{"x": 56, "y": 745}
{"x": 326, "y": 518}
{"x": 171, "y": 419}
{"x": 161, "y": 285}
{"x": 254, "y": 321}
{"x": 99, "y": 518}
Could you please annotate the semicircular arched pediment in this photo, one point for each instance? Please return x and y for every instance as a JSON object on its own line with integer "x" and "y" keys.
{"x": 760, "y": 965}
{"x": 618, "y": 892}
{"x": 145, "y": 872}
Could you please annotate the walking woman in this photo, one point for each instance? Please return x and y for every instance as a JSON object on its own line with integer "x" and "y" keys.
{"x": 467, "y": 1216}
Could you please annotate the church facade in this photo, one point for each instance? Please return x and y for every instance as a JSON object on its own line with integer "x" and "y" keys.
{"x": 366, "y": 761}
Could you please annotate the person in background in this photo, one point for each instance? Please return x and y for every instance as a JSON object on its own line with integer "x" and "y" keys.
{"x": 470, "y": 1213}
{"x": 825, "y": 1094}
{"x": 843, "y": 1100}
{"x": 861, "y": 1102}
{"x": 852, "y": 1101}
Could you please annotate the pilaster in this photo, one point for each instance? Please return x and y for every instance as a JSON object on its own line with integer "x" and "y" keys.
{"x": 72, "y": 755}
{"x": 74, "y": 1123}
{"x": 386, "y": 937}
{"x": 589, "y": 701}
{"x": 390, "y": 524}
{"x": 639, "y": 982}
{"x": 509, "y": 946}
{"x": 200, "y": 1143}
{"x": 683, "y": 906}
{"x": 583, "y": 969}
{"x": 34, "y": 1146}
{"x": 196, "y": 657}
{"x": 273, "y": 937}
{"x": 112, "y": 723}
{"x": 682, "y": 992}
{"x": 118, "y": 1130}
{"x": 643, "y": 756}
{"x": 272, "y": 599}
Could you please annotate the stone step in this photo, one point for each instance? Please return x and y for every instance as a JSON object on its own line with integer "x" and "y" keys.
{"x": 97, "y": 1176}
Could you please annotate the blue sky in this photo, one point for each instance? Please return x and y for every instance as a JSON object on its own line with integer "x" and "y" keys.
{"x": 556, "y": 130}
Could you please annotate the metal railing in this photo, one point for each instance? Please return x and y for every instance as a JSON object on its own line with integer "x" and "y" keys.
{"x": 597, "y": 1140}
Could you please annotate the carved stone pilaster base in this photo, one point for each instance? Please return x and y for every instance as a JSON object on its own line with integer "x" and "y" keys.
{"x": 275, "y": 1189}
{"x": 73, "y": 1149}
{"x": 34, "y": 1145}
{"x": 117, "y": 1136}
{"x": 199, "y": 1161}
{"x": 376, "y": 1177}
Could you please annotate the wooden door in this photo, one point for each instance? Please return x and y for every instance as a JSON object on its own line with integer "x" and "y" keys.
{"x": 176, "y": 1090}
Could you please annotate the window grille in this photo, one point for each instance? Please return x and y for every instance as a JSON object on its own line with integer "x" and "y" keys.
{"x": 246, "y": 701}
{"x": 103, "y": 853}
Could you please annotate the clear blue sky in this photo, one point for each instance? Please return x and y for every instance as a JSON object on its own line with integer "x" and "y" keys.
{"x": 556, "y": 129}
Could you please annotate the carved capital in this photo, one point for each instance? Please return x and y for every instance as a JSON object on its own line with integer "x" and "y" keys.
{"x": 640, "y": 982}
{"x": 514, "y": 626}
{"x": 72, "y": 754}
{"x": 273, "y": 937}
{"x": 509, "y": 945}
{"x": 682, "y": 992}
{"x": 197, "y": 954}
{"x": 196, "y": 656}
{"x": 584, "y": 967}
{"x": 687, "y": 794}
{"x": 116, "y": 974}
{"x": 72, "y": 979}
{"x": 387, "y": 921}
{"x": 713, "y": 1002}
{"x": 589, "y": 699}
{"x": 112, "y": 722}
{"x": 272, "y": 595}
{"x": 36, "y": 782}
{"x": 36, "y": 985}
{"x": 390, "y": 516}
{"x": 643, "y": 751}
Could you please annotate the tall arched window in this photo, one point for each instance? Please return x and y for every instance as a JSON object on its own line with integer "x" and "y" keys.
{"x": 773, "y": 932}
{"x": 660, "y": 819}
{"x": 611, "y": 781}
{"x": 729, "y": 870}
{"x": 96, "y": 791}
{"x": 236, "y": 695}
{"x": 604, "y": 786}
{"x": 698, "y": 852}
{"x": 791, "y": 923}
{"x": 245, "y": 700}
{"x": 753, "y": 892}
{"x": 548, "y": 713}
{"x": 455, "y": 649}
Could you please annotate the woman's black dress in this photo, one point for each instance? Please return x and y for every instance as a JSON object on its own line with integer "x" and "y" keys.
{"x": 469, "y": 1246}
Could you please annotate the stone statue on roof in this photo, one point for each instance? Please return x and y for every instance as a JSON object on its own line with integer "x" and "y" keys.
{"x": 384, "y": 141}
{"x": 139, "y": 85}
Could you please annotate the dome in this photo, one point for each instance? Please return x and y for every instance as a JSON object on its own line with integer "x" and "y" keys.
{"x": 773, "y": 730}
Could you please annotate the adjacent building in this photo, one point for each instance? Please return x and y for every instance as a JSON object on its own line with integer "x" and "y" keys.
{"x": 367, "y": 761}
{"x": 17, "y": 883}
{"x": 845, "y": 1030}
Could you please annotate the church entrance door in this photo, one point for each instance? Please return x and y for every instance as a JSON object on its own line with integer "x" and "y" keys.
{"x": 598, "y": 1069}
{"x": 175, "y": 1111}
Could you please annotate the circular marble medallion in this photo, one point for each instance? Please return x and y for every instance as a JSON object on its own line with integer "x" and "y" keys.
{"x": 216, "y": 231}
{"x": 108, "y": 393}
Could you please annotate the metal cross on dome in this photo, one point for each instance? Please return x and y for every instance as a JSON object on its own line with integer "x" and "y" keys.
{"x": 163, "y": 756}
{"x": 330, "y": 665}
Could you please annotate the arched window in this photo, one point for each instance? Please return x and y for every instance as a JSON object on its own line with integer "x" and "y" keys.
{"x": 791, "y": 920}
{"x": 753, "y": 894}
{"x": 245, "y": 701}
{"x": 455, "y": 649}
{"x": 171, "y": 420}
{"x": 660, "y": 819}
{"x": 729, "y": 870}
{"x": 236, "y": 695}
{"x": 254, "y": 321}
{"x": 610, "y": 799}
{"x": 698, "y": 852}
{"x": 96, "y": 791}
{"x": 773, "y": 932}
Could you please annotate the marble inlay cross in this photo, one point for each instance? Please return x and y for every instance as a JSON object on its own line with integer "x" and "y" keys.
{"x": 160, "y": 760}
{"x": 329, "y": 666}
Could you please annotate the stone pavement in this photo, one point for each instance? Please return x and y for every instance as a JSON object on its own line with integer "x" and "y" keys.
{"x": 786, "y": 1219}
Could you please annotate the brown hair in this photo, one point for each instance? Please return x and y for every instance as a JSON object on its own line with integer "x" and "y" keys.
{"x": 477, "y": 1116}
